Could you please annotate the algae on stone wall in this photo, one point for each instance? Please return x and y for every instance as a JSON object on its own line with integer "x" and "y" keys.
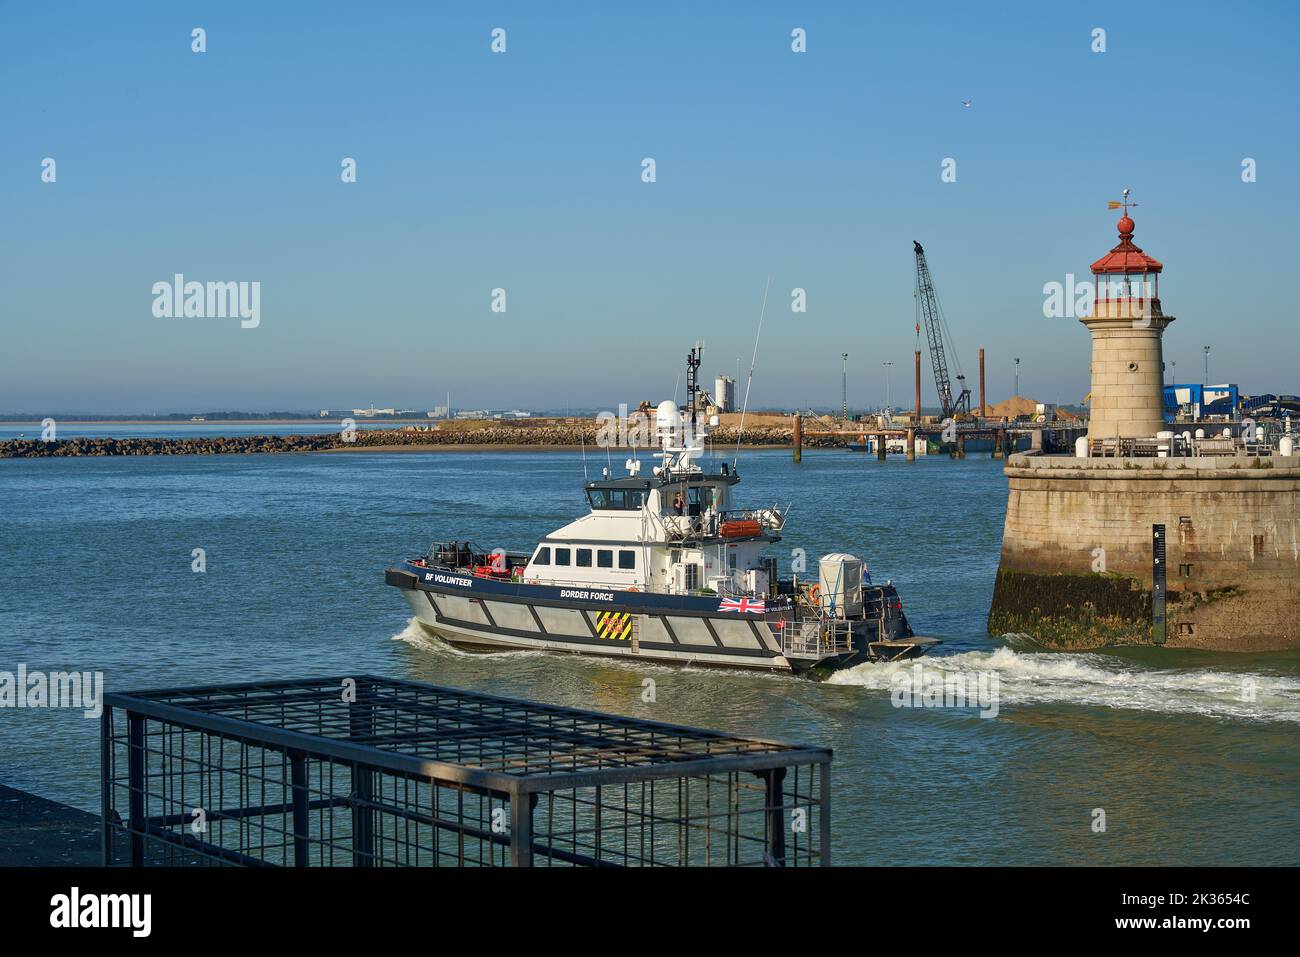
{"x": 1086, "y": 610}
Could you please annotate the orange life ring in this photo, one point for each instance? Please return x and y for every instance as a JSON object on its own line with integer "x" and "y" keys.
{"x": 815, "y": 595}
{"x": 632, "y": 588}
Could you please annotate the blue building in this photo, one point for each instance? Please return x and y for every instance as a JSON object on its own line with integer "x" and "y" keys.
{"x": 1193, "y": 401}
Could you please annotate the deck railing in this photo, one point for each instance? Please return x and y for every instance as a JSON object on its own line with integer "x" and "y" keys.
{"x": 816, "y": 638}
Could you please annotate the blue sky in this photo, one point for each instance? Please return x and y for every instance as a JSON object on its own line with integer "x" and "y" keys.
{"x": 523, "y": 171}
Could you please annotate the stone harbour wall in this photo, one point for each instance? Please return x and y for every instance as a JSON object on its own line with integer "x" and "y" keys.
{"x": 1076, "y": 562}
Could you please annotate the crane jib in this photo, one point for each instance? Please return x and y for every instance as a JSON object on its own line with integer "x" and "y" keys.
{"x": 927, "y": 305}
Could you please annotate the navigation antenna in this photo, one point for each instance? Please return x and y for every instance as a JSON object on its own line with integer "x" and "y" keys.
{"x": 692, "y": 382}
{"x": 750, "y": 379}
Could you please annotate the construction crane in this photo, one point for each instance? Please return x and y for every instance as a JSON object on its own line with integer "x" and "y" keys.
{"x": 936, "y": 330}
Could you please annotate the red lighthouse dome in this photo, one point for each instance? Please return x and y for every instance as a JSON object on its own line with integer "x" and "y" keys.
{"x": 1127, "y": 256}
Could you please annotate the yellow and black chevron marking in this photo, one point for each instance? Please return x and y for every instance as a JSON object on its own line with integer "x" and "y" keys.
{"x": 614, "y": 624}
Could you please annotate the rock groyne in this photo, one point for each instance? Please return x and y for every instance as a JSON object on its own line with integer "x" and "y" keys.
{"x": 484, "y": 437}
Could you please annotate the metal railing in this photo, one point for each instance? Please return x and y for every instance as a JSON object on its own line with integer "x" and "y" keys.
{"x": 367, "y": 771}
{"x": 709, "y": 524}
{"x": 816, "y": 638}
{"x": 1180, "y": 447}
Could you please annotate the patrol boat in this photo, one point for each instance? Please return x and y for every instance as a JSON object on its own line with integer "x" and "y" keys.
{"x": 662, "y": 568}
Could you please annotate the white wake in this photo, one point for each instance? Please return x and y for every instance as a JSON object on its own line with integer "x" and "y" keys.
{"x": 1026, "y": 678}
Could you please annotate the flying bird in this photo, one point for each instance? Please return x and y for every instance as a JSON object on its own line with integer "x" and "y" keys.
{"x": 966, "y": 103}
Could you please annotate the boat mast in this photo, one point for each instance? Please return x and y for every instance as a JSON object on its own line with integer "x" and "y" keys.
{"x": 692, "y": 382}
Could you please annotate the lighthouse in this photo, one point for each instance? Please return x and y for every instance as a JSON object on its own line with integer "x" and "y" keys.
{"x": 1090, "y": 544}
{"x": 1126, "y": 324}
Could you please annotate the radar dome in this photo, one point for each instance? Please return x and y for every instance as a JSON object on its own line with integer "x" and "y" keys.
{"x": 666, "y": 416}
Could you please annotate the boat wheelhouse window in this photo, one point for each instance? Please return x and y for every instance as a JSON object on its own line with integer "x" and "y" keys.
{"x": 561, "y": 556}
{"x": 626, "y": 558}
{"x": 698, "y": 499}
{"x": 584, "y": 558}
{"x": 543, "y": 556}
{"x": 605, "y": 558}
{"x": 616, "y": 498}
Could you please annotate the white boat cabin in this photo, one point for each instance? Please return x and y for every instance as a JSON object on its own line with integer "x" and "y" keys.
{"x": 673, "y": 533}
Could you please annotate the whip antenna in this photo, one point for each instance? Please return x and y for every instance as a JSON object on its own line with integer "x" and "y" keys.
{"x": 752, "y": 362}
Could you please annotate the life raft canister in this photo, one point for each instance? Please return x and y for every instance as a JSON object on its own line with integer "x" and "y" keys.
{"x": 740, "y": 528}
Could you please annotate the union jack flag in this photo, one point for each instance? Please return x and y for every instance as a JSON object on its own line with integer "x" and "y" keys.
{"x": 754, "y": 606}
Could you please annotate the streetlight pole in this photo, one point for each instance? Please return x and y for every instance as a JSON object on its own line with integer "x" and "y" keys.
{"x": 844, "y": 386}
{"x": 887, "y": 365}
{"x": 1207, "y": 367}
{"x": 1017, "y": 388}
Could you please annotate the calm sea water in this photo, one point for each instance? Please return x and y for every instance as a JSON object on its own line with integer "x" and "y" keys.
{"x": 95, "y": 575}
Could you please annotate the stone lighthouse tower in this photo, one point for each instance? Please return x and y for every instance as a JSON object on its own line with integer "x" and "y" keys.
{"x": 1126, "y": 325}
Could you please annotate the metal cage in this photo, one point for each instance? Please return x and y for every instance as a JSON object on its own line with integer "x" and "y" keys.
{"x": 368, "y": 771}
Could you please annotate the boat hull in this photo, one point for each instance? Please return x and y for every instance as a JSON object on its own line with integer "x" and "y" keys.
{"x": 491, "y": 614}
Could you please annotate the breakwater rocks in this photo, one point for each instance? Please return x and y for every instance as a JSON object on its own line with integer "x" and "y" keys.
{"x": 488, "y": 436}
{"x": 214, "y": 445}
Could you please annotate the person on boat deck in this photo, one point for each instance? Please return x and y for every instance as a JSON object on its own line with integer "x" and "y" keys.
{"x": 679, "y": 503}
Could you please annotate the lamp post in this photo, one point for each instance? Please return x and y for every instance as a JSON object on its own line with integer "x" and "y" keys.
{"x": 844, "y": 386}
{"x": 887, "y": 365}
{"x": 1207, "y": 367}
{"x": 1016, "y": 391}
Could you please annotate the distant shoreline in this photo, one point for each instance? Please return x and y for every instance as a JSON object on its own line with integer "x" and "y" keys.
{"x": 36, "y": 423}
{"x": 504, "y": 447}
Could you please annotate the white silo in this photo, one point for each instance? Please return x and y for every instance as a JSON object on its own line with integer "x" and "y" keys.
{"x": 724, "y": 393}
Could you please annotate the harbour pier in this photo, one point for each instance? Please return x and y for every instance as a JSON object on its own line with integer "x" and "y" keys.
{"x": 1003, "y": 438}
{"x": 1150, "y": 532}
